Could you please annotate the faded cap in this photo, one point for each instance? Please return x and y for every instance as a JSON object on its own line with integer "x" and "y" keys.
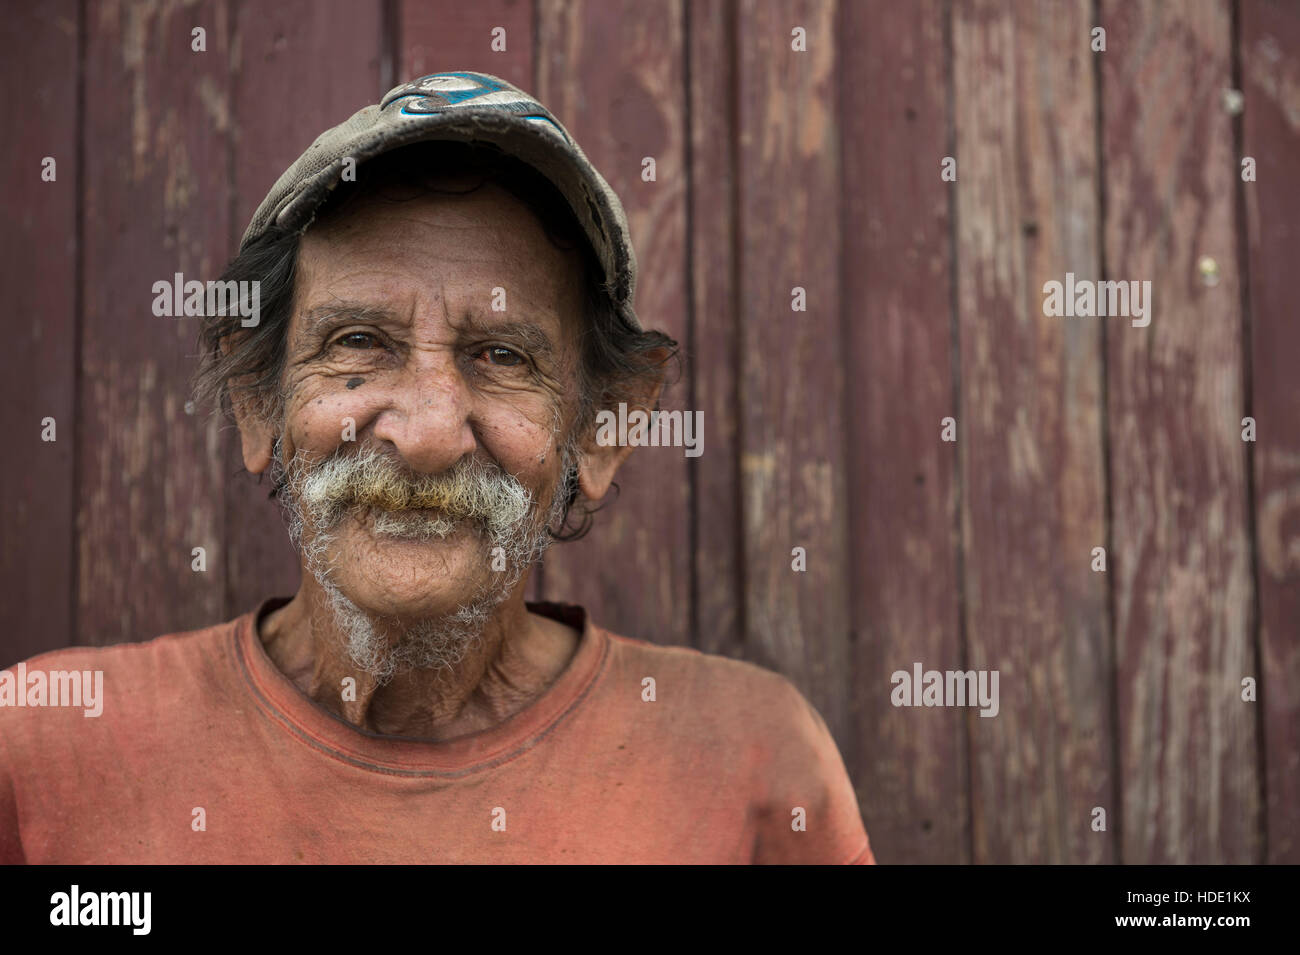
{"x": 462, "y": 107}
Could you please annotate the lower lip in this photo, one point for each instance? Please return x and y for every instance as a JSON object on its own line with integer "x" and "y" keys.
{"x": 414, "y": 514}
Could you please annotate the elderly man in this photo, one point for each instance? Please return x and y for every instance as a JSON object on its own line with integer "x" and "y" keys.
{"x": 445, "y": 291}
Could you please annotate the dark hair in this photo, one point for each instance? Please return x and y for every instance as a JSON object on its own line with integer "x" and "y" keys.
{"x": 616, "y": 361}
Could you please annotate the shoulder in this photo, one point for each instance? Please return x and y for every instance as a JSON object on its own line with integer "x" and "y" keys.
{"x": 158, "y": 650}
{"x": 50, "y": 695}
{"x": 139, "y": 660}
{"x": 73, "y": 719}
{"x": 754, "y": 734}
{"x": 709, "y": 694}
{"x": 727, "y": 684}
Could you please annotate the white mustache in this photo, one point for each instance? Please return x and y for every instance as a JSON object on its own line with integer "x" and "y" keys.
{"x": 471, "y": 490}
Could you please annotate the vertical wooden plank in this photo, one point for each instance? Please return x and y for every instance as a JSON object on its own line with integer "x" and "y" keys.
{"x": 1181, "y": 559}
{"x": 714, "y": 343}
{"x": 1031, "y": 431}
{"x": 438, "y": 37}
{"x": 792, "y": 425}
{"x": 1270, "y": 72}
{"x": 911, "y": 765}
{"x": 38, "y": 271}
{"x": 613, "y": 74}
{"x": 156, "y": 202}
{"x": 332, "y": 49}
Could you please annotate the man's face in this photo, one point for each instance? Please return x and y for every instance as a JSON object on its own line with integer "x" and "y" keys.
{"x": 395, "y": 336}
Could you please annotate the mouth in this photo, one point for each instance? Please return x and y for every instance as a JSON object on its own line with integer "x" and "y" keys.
{"x": 412, "y": 524}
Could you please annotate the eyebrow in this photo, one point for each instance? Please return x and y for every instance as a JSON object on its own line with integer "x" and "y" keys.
{"x": 525, "y": 332}
{"x": 339, "y": 313}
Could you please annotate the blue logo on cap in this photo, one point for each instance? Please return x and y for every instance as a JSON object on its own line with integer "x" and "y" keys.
{"x": 439, "y": 91}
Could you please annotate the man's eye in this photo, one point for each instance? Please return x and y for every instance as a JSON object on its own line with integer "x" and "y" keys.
{"x": 499, "y": 355}
{"x": 357, "y": 340}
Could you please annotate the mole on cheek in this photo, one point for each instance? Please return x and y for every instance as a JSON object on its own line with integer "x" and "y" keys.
{"x": 355, "y": 382}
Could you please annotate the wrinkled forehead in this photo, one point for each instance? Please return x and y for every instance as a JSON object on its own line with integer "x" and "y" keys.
{"x": 472, "y": 241}
{"x": 437, "y": 203}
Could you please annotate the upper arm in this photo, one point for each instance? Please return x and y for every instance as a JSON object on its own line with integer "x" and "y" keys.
{"x": 11, "y": 846}
{"x": 809, "y": 811}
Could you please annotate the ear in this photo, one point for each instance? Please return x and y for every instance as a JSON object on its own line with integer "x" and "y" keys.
{"x": 256, "y": 438}
{"x": 601, "y": 461}
{"x": 597, "y": 468}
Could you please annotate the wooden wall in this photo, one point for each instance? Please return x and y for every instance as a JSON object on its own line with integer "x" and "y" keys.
{"x": 775, "y": 169}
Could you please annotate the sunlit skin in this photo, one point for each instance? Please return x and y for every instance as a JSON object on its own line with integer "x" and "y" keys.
{"x": 393, "y": 327}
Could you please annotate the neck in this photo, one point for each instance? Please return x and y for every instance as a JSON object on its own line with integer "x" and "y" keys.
{"x": 517, "y": 657}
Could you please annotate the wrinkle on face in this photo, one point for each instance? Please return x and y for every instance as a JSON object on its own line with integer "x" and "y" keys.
{"x": 400, "y": 301}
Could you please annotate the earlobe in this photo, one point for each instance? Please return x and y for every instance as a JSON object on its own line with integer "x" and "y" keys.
{"x": 601, "y": 459}
{"x": 256, "y": 438}
{"x": 257, "y": 445}
{"x": 597, "y": 468}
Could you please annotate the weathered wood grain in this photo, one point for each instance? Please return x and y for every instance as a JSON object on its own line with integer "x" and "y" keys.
{"x": 298, "y": 68}
{"x": 1181, "y": 558}
{"x": 791, "y": 428}
{"x": 156, "y": 202}
{"x": 438, "y": 37}
{"x": 613, "y": 74}
{"x": 713, "y": 342}
{"x": 1031, "y": 432}
{"x": 38, "y": 363}
{"x": 911, "y": 765}
{"x": 1270, "y": 74}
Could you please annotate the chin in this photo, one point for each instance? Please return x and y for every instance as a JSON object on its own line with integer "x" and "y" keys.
{"x": 411, "y": 577}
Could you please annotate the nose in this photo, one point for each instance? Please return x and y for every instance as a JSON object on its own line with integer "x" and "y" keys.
{"x": 428, "y": 419}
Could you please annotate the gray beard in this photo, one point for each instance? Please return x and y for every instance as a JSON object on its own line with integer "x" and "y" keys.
{"x": 384, "y": 651}
{"x": 383, "y": 647}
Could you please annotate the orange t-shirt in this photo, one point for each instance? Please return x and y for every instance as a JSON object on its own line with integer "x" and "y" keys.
{"x": 205, "y": 752}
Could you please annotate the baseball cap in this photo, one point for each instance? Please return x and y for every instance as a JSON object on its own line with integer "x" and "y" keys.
{"x": 461, "y": 107}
